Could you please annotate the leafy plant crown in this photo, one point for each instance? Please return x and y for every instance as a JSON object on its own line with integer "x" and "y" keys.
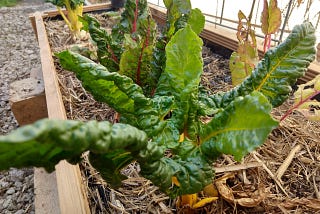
{"x": 171, "y": 119}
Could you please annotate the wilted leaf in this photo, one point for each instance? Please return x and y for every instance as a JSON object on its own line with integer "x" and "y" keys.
{"x": 225, "y": 191}
{"x": 243, "y": 62}
{"x": 271, "y": 17}
{"x": 306, "y": 202}
{"x": 175, "y": 181}
{"x": 245, "y": 199}
{"x": 245, "y": 59}
{"x": 305, "y": 99}
{"x": 187, "y": 200}
{"x": 204, "y": 202}
{"x": 211, "y": 190}
{"x": 254, "y": 199}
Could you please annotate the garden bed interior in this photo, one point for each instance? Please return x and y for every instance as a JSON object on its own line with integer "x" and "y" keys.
{"x": 255, "y": 177}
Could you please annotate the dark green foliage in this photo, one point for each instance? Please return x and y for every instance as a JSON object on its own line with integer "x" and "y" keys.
{"x": 170, "y": 120}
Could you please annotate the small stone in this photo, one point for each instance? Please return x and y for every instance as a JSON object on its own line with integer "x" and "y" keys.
{"x": 16, "y": 175}
{"x": 19, "y": 212}
{"x": 28, "y": 51}
{"x": 18, "y": 184}
{"x": 1, "y": 204}
{"x": 4, "y": 184}
{"x": 26, "y": 198}
{"x": 6, "y": 203}
{"x": 10, "y": 191}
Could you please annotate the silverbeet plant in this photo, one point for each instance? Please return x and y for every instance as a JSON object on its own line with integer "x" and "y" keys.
{"x": 171, "y": 119}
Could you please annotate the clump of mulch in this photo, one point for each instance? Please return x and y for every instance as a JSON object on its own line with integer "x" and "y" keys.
{"x": 282, "y": 175}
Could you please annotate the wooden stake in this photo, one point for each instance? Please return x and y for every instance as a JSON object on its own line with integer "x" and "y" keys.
{"x": 239, "y": 167}
{"x": 286, "y": 163}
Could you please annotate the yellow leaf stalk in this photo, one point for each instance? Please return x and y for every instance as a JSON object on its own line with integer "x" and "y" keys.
{"x": 72, "y": 19}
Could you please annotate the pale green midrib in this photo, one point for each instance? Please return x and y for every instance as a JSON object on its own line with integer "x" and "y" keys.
{"x": 275, "y": 67}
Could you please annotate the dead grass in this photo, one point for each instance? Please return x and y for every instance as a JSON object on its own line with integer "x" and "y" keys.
{"x": 256, "y": 185}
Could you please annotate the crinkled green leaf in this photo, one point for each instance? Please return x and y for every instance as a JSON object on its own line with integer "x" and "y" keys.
{"x": 182, "y": 72}
{"x": 196, "y": 20}
{"x": 111, "y": 147}
{"x": 192, "y": 170}
{"x": 241, "y": 127}
{"x": 135, "y": 63}
{"x": 47, "y": 142}
{"x": 175, "y": 10}
{"x": 278, "y": 70}
{"x": 118, "y": 91}
{"x": 108, "y": 50}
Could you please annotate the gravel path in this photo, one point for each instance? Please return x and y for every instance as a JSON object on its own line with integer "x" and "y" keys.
{"x": 19, "y": 54}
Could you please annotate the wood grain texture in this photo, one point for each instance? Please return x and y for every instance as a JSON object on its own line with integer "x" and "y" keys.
{"x": 68, "y": 179}
{"x": 46, "y": 193}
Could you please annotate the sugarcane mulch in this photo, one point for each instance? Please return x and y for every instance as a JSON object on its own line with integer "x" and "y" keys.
{"x": 282, "y": 176}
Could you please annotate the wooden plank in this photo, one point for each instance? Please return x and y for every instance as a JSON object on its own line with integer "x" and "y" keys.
{"x": 89, "y": 8}
{"x": 33, "y": 24}
{"x": 72, "y": 198}
{"x": 46, "y": 194}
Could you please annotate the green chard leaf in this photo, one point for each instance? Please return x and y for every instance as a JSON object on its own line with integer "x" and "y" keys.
{"x": 241, "y": 127}
{"x": 108, "y": 50}
{"x": 182, "y": 73}
{"x": 175, "y": 10}
{"x": 278, "y": 70}
{"x": 111, "y": 147}
{"x": 192, "y": 170}
{"x": 118, "y": 91}
{"x": 46, "y": 142}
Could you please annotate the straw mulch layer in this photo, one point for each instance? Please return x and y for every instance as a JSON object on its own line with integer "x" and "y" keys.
{"x": 282, "y": 176}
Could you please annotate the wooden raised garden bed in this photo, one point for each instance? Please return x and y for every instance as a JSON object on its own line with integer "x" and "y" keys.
{"x": 63, "y": 191}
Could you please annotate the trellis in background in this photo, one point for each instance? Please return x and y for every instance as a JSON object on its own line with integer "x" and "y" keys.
{"x": 224, "y": 13}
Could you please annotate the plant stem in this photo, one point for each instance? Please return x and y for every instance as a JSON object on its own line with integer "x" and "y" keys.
{"x": 65, "y": 18}
{"x": 299, "y": 104}
{"x": 134, "y": 26}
